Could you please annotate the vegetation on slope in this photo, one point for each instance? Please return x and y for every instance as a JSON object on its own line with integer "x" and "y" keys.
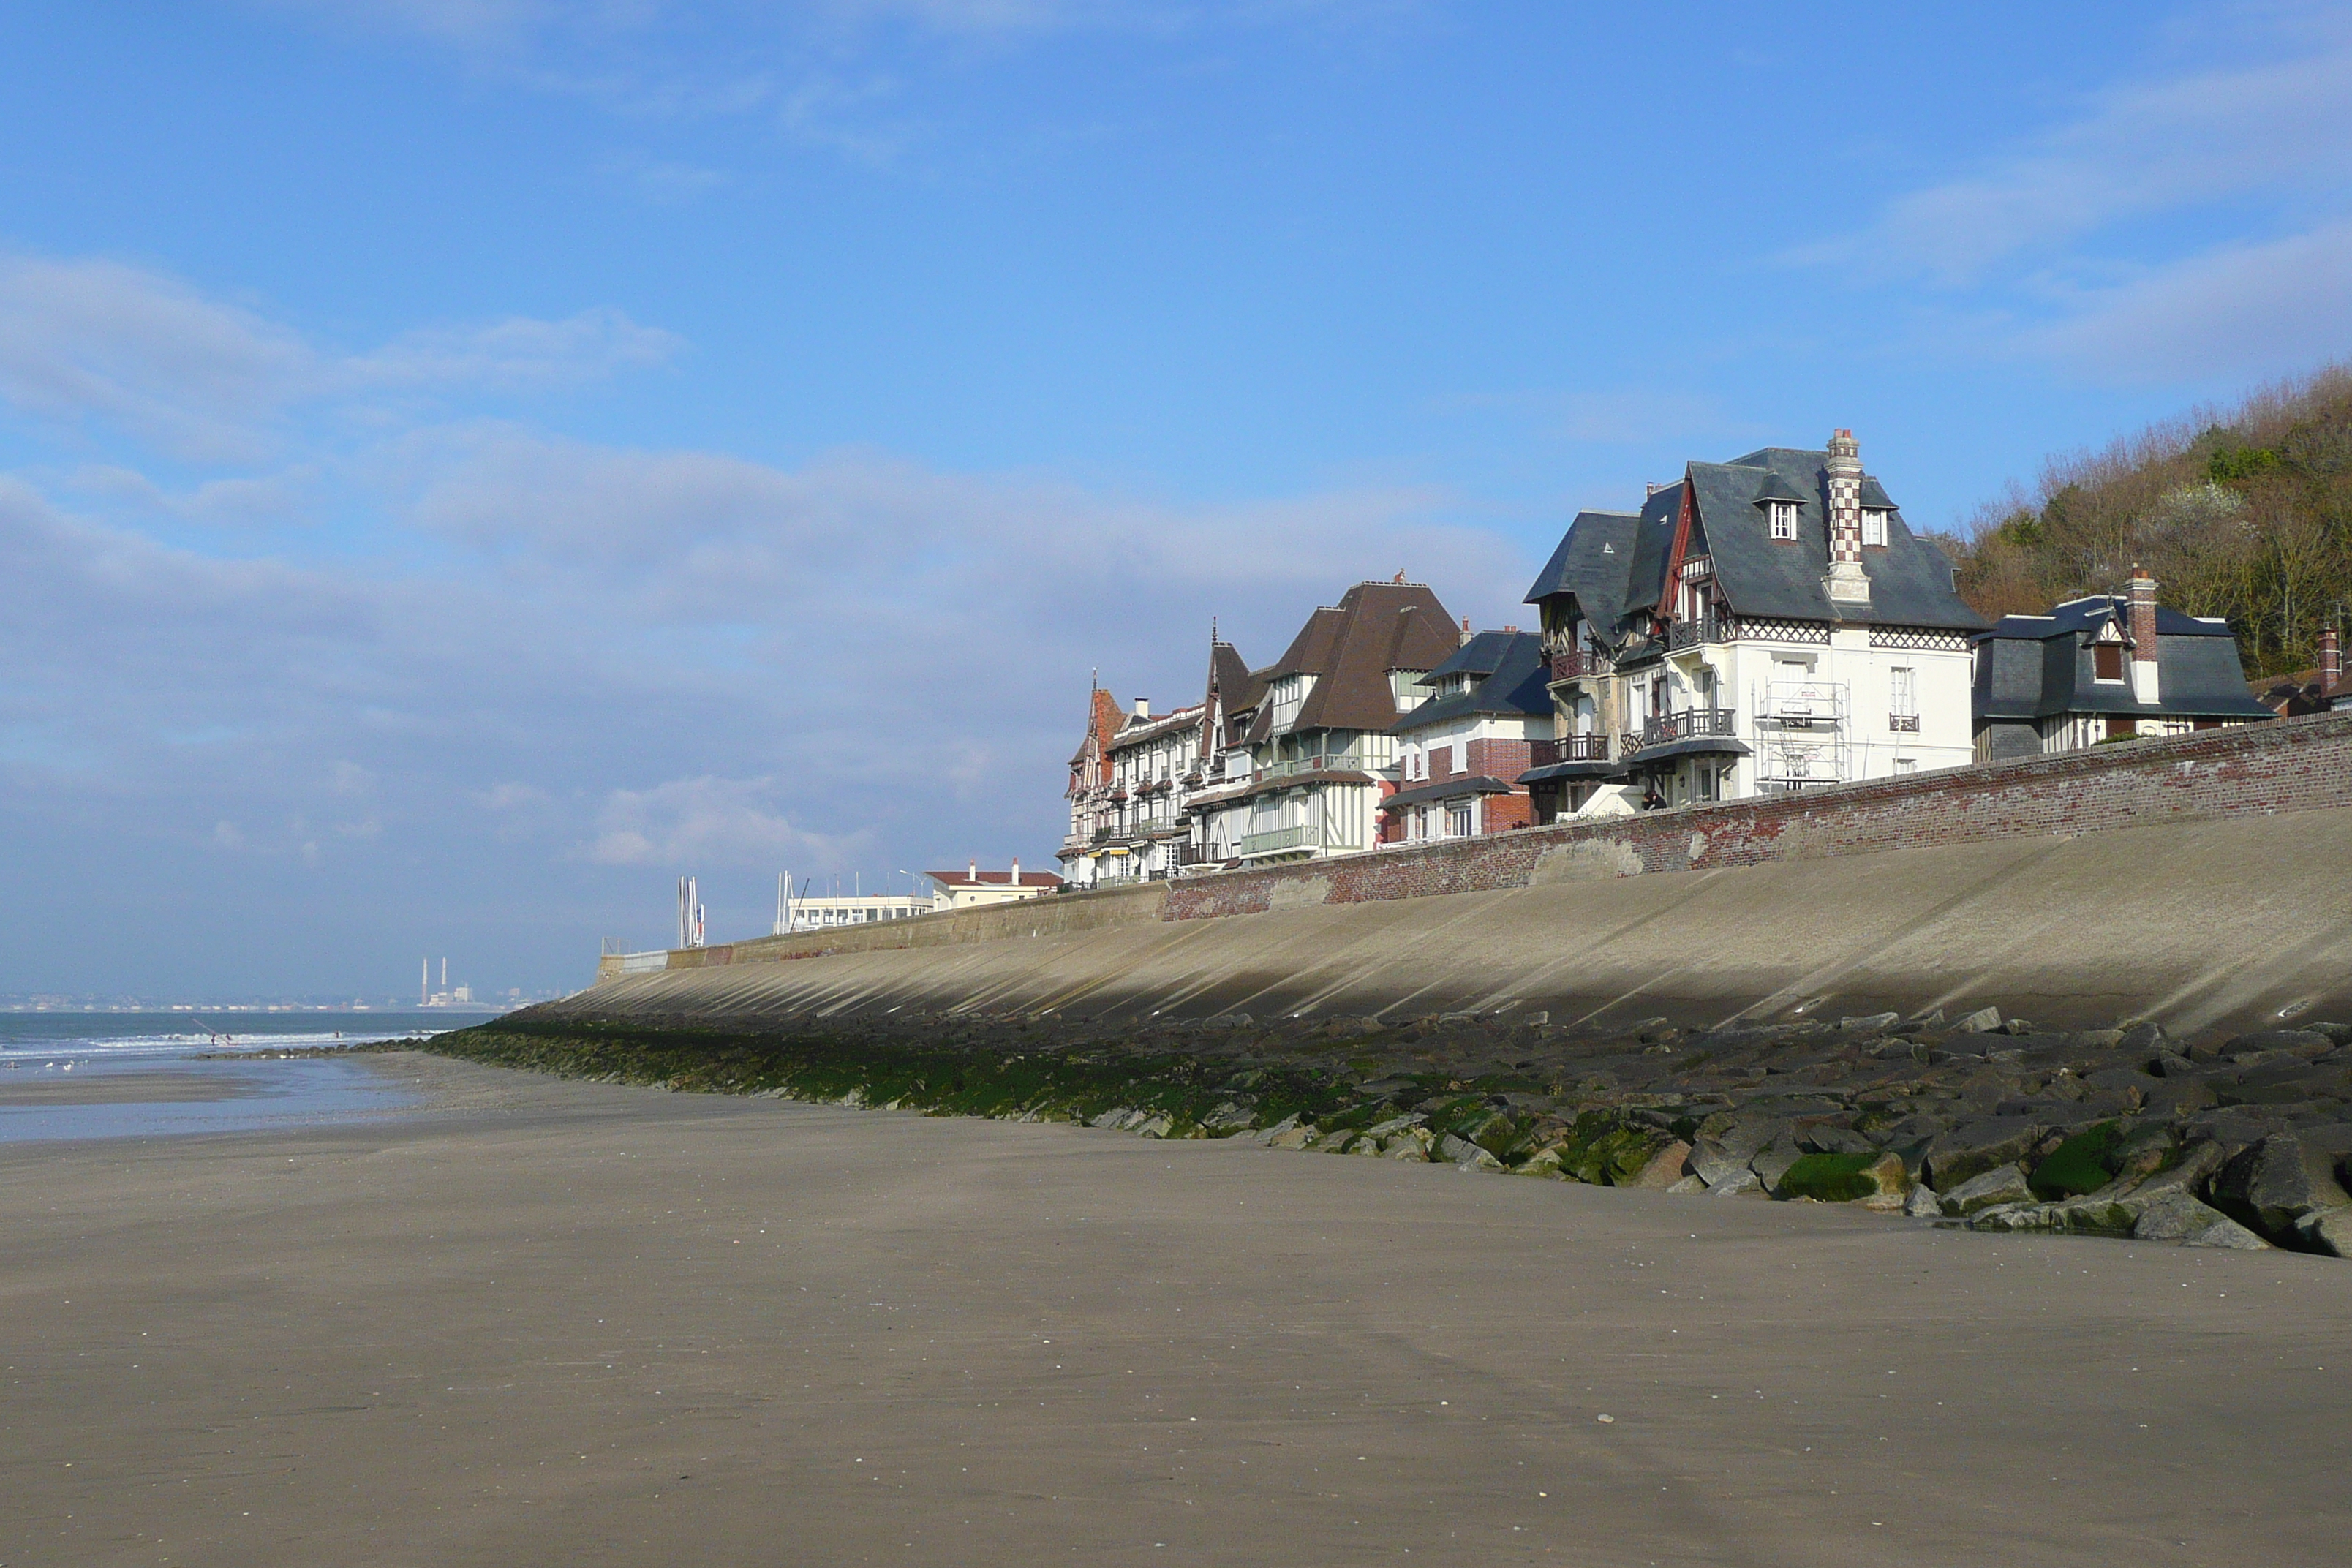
{"x": 2244, "y": 513}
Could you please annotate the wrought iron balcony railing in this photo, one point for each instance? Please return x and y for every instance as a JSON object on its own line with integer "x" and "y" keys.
{"x": 1688, "y": 724}
{"x": 1569, "y": 749}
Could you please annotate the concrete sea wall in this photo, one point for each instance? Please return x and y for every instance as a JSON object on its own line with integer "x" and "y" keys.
{"x": 2204, "y": 881}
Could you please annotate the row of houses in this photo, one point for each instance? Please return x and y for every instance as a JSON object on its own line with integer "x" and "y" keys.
{"x": 1768, "y": 623}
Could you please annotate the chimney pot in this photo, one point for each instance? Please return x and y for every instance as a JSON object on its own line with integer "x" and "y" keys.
{"x": 1510, "y": 631}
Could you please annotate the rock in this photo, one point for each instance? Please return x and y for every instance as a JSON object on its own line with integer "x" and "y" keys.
{"x": 1737, "y": 1183}
{"x": 1268, "y": 1134}
{"x": 2101, "y": 1037}
{"x": 1979, "y": 1146}
{"x": 1694, "y": 1182}
{"x": 1873, "y": 1023}
{"x": 2187, "y": 1174}
{"x": 1226, "y": 1117}
{"x": 1987, "y": 1189}
{"x": 1830, "y": 1135}
{"x": 2327, "y": 1230}
{"x": 1466, "y": 1156}
{"x": 1296, "y": 1135}
{"x": 2176, "y": 1217}
{"x": 1154, "y": 1126}
{"x": 2143, "y": 1039}
{"x": 1115, "y": 1117}
{"x": 2281, "y": 1179}
{"x": 2306, "y": 1043}
{"x": 1395, "y": 1124}
{"x": 1413, "y": 1143}
{"x": 1983, "y": 1021}
{"x": 1875, "y": 1181}
{"x": 1730, "y": 1150}
{"x": 1921, "y": 1202}
{"x": 1665, "y": 1169}
{"x": 1772, "y": 1161}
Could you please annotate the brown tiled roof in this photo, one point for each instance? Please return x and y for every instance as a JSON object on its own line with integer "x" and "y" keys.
{"x": 1351, "y": 648}
{"x": 2290, "y": 695}
{"x": 1101, "y": 725}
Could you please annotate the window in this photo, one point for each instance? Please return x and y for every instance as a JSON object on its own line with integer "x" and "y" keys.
{"x": 2107, "y": 660}
{"x": 1784, "y": 518}
{"x": 1904, "y": 766}
{"x": 1457, "y": 822}
{"x": 1874, "y": 525}
{"x": 1903, "y": 699}
{"x": 1288, "y": 695}
{"x": 1403, "y": 687}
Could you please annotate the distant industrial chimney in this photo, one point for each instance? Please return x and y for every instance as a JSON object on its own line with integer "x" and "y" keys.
{"x": 1846, "y": 582}
{"x": 2143, "y": 634}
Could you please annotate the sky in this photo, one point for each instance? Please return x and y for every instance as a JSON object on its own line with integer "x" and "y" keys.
{"x": 465, "y": 463}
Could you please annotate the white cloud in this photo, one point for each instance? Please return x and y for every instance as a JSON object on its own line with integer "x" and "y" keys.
{"x": 2238, "y": 312}
{"x": 2281, "y": 127}
{"x": 201, "y": 379}
{"x": 705, "y": 819}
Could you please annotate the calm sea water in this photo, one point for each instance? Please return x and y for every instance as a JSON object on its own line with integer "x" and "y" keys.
{"x": 51, "y": 1053}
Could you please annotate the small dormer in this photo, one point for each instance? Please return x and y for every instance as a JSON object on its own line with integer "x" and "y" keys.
{"x": 2110, "y": 652}
{"x": 1780, "y": 503}
{"x": 1877, "y": 515}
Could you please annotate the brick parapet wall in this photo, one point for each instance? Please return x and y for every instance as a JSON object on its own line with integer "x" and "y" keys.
{"x": 2285, "y": 765}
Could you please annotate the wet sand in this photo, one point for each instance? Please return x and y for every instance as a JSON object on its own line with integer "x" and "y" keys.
{"x": 156, "y": 1086}
{"x": 553, "y": 1322}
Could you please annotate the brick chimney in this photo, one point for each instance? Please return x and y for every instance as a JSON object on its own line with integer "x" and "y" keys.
{"x": 1465, "y": 628}
{"x": 1846, "y": 583}
{"x": 2331, "y": 661}
{"x": 2143, "y": 634}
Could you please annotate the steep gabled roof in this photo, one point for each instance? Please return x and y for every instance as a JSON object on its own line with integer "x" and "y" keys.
{"x": 1102, "y": 723}
{"x": 1349, "y": 649}
{"x": 1910, "y": 580}
{"x": 2034, "y": 667}
{"x": 2097, "y": 610}
{"x": 1593, "y": 561}
{"x": 1513, "y": 670}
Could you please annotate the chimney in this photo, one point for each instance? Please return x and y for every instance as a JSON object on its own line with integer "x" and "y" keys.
{"x": 1510, "y": 631}
{"x": 1016, "y": 870}
{"x": 1845, "y": 582}
{"x": 974, "y": 876}
{"x": 2143, "y": 634}
{"x": 1143, "y": 707}
{"x": 1465, "y": 628}
{"x": 2331, "y": 661}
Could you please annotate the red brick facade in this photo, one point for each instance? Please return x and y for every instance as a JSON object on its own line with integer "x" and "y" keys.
{"x": 2286, "y": 766}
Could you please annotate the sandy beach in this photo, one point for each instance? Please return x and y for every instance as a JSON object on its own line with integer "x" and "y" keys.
{"x": 555, "y": 1322}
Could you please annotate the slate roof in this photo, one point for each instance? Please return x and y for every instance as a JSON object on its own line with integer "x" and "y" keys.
{"x": 1513, "y": 672}
{"x": 1451, "y": 789}
{"x": 1910, "y": 580}
{"x": 2036, "y": 667}
{"x": 1349, "y": 649}
{"x": 1593, "y": 561}
{"x": 1102, "y": 722}
{"x": 1134, "y": 733}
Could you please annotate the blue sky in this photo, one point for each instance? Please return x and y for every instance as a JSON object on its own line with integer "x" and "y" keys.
{"x": 463, "y": 462}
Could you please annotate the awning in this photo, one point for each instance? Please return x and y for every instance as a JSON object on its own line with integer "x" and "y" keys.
{"x": 1691, "y": 746}
{"x": 1570, "y": 772}
{"x": 1452, "y": 789}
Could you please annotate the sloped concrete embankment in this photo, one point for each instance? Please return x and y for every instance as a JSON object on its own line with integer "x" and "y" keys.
{"x": 2224, "y": 921}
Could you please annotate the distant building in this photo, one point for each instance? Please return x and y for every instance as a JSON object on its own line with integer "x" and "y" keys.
{"x": 2313, "y": 691}
{"x": 2108, "y": 667}
{"x": 871, "y": 908}
{"x": 1459, "y": 752}
{"x": 972, "y": 888}
{"x": 1306, "y": 762}
{"x": 1765, "y": 625}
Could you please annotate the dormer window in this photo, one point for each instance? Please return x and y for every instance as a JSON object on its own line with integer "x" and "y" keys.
{"x": 2107, "y": 661}
{"x": 1874, "y": 525}
{"x": 1782, "y": 515}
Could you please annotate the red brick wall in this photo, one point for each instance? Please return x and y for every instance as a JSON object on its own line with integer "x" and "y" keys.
{"x": 1504, "y": 760}
{"x": 2289, "y": 764}
{"x": 1502, "y": 812}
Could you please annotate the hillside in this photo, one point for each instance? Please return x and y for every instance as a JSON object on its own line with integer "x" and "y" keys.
{"x": 2245, "y": 512}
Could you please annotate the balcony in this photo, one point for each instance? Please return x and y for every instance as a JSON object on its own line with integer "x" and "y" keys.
{"x": 1275, "y": 839}
{"x": 1196, "y": 855}
{"x": 1691, "y": 633}
{"x": 1691, "y": 723}
{"x": 1577, "y": 663}
{"x": 1568, "y": 748}
{"x": 1335, "y": 761}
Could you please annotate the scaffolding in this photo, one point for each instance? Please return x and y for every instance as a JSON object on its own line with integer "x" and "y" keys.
{"x": 1803, "y": 735}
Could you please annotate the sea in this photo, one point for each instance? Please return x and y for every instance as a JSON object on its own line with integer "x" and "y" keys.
{"x": 159, "y": 1075}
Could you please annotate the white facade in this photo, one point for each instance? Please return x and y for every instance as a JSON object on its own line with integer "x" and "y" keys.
{"x": 832, "y": 913}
